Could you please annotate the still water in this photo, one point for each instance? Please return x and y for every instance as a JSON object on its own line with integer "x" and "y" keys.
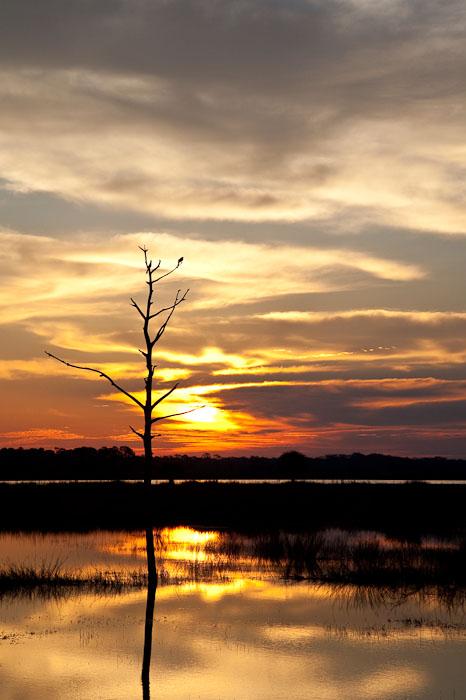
{"x": 226, "y": 627}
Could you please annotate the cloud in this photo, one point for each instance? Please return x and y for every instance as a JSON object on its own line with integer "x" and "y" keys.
{"x": 303, "y": 157}
{"x": 270, "y": 380}
{"x": 430, "y": 317}
{"x": 239, "y": 111}
{"x": 35, "y": 436}
{"x": 83, "y": 276}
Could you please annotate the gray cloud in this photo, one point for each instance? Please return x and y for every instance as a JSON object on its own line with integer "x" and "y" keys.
{"x": 306, "y": 92}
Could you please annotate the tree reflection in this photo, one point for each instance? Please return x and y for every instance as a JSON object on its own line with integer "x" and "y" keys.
{"x": 149, "y": 618}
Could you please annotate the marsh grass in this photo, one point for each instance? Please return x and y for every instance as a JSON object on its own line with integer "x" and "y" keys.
{"x": 375, "y": 565}
{"x": 341, "y": 557}
{"x": 369, "y": 560}
{"x": 49, "y": 577}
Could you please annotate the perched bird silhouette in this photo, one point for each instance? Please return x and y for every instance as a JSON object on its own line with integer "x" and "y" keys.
{"x": 180, "y": 261}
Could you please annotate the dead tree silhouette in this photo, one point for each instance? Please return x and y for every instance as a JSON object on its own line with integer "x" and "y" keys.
{"x": 147, "y": 407}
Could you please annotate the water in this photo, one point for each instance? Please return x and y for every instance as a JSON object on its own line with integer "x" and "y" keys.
{"x": 226, "y": 627}
{"x": 450, "y": 482}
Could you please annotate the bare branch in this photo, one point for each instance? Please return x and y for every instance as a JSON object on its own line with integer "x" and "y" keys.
{"x": 176, "y": 303}
{"x": 145, "y": 251}
{"x": 138, "y": 308}
{"x": 161, "y": 330}
{"x": 170, "y": 271}
{"x": 148, "y": 263}
{"x": 159, "y": 400}
{"x": 136, "y": 432}
{"x": 101, "y": 374}
{"x": 172, "y": 415}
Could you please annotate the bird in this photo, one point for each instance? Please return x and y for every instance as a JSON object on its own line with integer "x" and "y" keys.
{"x": 180, "y": 261}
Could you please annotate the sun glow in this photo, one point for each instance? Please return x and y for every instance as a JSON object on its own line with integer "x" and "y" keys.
{"x": 211, "y": 592}
{"x": 207, "y": 414}
{"x": 187, "y": 535}
{"x": 169, "y": 541}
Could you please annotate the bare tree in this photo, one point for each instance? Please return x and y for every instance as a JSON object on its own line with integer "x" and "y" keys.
{"x": 147, "y": 313}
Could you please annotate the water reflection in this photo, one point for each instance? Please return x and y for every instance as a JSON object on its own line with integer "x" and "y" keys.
{"x": 148, "y": 632}
{"x": 225, "y": 625}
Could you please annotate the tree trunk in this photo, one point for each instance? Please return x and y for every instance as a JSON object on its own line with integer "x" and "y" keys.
{"x": 151, "y": 565}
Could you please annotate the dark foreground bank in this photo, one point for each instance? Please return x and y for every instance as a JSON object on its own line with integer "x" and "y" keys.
{"x": 404, "y": 509}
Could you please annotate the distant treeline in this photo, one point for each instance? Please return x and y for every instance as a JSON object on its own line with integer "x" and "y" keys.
{"x": 117, "y": 463}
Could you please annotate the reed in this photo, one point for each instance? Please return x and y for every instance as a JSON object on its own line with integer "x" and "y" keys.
{"x": 52, "y": 576}
{"x": 343, "y": 559}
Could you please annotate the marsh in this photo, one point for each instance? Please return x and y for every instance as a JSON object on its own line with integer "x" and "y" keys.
{"x": 237, "y": 615}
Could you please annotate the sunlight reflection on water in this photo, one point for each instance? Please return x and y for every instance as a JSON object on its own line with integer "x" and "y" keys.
{"x": 234, "y": 631}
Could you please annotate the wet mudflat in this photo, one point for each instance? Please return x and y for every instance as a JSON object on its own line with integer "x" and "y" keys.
{"x": 236, "y": 617}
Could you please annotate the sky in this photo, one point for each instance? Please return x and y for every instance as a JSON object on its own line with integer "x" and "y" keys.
{"x": 307, "y": 158}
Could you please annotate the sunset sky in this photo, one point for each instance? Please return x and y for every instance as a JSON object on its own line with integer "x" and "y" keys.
{"x": 308, "y": 160}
